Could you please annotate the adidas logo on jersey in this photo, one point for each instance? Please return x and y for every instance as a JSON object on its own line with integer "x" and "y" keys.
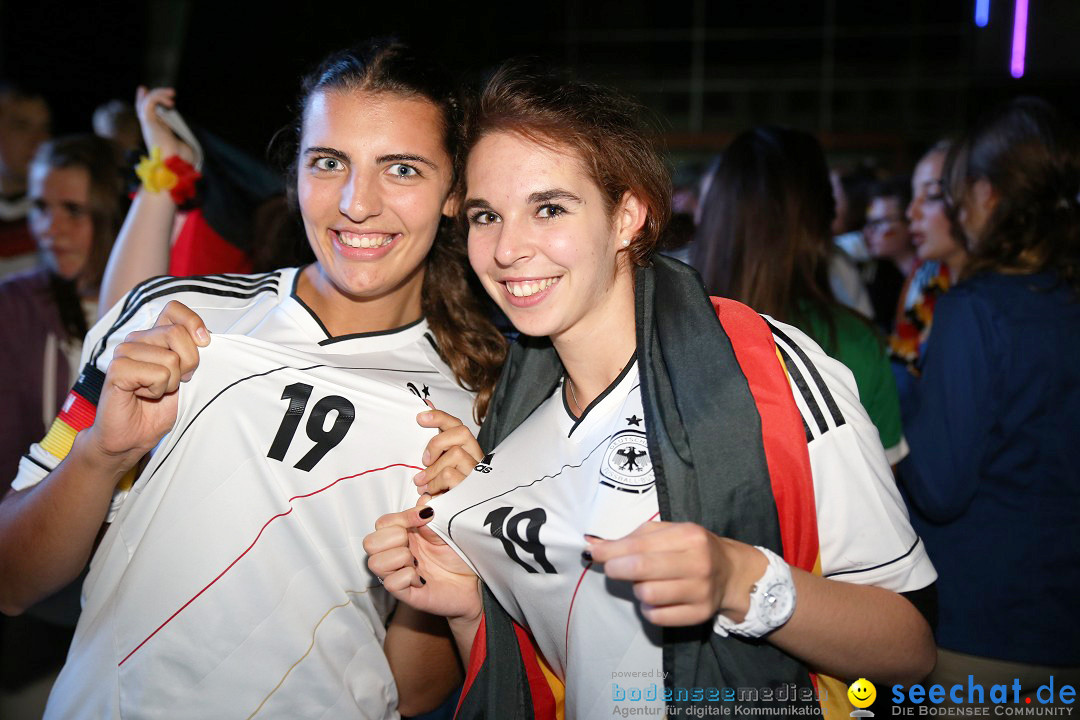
{"x": 423, "y": 393}
{"x": 485, "y": 465}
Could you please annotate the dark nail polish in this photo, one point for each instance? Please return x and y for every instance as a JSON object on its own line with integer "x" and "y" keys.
{"x": 586, "y": 556}
{"x": 422, "y": 580}
{"x": 426, "y": 512}
{"x": 415, "y": 562}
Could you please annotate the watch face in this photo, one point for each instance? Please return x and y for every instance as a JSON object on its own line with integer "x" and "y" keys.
{"x": 776, "y": 604}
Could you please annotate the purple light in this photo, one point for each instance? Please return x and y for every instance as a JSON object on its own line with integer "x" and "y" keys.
{"x": 1019, "y": 43}
{"x": 982, "y": 12}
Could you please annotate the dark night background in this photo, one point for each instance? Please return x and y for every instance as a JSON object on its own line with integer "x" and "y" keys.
{"x": 873, "y": 79}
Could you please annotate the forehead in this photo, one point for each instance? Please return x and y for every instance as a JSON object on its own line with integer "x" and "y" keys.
{"x": 381, "y": 121}
{"x": 884, "y": 205}
{"x": 929, "y": 168}
{"x": 68, "y": 183}
{"x": 514, "y": 162}
{"x": 24, "y": 108}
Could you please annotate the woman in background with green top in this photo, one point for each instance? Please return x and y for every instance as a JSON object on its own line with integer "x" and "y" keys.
{"x": 764, "y": 240}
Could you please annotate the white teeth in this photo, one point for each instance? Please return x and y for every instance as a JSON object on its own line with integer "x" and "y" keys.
{"x": 364, "y": 241}
{"x": 531, "y": 287}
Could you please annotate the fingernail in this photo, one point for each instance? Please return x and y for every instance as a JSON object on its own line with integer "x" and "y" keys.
{"x": 202, "y": 335}
{"x": 427, "y": 512}
{"x": 415, "y": 562}
{"x": 586, "y": 556}
{"x": 427, "y": 458}
{"x": 424, "y": 417}
{"x": 419, "y": 478}
{"x": 422, "y": 580}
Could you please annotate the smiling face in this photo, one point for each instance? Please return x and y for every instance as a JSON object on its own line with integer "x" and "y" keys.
{"x": 60, "y": 217}
{"x": 544, "y": 243}
{"x": 862, "y": 693}
{"x": 372, "y": 180}
{"x": 930, "y": 228}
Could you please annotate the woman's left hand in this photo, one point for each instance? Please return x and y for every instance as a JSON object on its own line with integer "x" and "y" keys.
{"x": 682, "y": 573}
{"x": 449, "y": 456}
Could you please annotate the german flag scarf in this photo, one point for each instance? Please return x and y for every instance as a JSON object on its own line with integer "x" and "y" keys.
{"x": 729, "y": 453}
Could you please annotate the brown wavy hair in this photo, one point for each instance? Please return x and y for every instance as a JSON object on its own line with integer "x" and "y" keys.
{"x": 604, "y": 128}
{"x": 453, "y": 303}
{"x": 1030, "y": 155}
{"x": 97, "y": 156}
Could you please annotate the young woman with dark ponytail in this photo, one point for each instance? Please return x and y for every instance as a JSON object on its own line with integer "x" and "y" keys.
{"x": 231, "y": 580}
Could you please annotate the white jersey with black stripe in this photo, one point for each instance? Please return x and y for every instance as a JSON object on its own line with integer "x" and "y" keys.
{"x": 232, "y": 581}
{"x": 521, "y": 516}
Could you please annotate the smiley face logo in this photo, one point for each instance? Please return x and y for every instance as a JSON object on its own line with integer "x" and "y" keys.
{"x": 862, "y": 693}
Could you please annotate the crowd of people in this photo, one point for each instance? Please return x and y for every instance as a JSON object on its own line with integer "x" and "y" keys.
{"x": 478, "y": 445}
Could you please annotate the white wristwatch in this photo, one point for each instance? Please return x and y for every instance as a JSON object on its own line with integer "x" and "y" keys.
{"x": 772, "y": 601}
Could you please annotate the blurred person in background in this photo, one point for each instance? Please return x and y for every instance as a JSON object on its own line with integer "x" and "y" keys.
{"x": 227, "y": 213}
{"x": 849, "y": 192}
{"x": 24, "y": 125}
{"x": 116, "y": 120}
{"x": 888, "y": 241}
{"x": 75, "y": 211}
{"x": 992, "y": 474}
{"x": 764, "y": 240}
{"x": 940, "y": 253}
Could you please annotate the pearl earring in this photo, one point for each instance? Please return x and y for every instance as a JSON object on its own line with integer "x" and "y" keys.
{"x": 626, "y": 242}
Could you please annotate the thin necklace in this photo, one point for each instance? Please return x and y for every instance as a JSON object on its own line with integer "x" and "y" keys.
{"x": 573, "y": 394}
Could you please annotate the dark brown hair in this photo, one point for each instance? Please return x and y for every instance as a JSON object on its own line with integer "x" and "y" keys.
{"x": 97, "y": 156}
{"x": 602, "y": 127}
{"x": 1030, "y": 155}
{"x": 452, "y": 302}
{"x": 764, "y": 236}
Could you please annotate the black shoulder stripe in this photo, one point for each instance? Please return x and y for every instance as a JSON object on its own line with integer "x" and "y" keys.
{"x": 879, "y": 565}
{"x": 830, "y": 401}
{"x": 431, "y": 340}
{"x": 231, "y": 281}
{"x": 808, "y": 396}
{"x": 270, "y": 286}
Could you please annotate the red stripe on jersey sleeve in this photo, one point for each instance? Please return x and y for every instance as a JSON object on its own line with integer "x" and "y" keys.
{"x": 783, "y": 436}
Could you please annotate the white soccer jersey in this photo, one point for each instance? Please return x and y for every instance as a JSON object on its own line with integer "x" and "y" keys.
{"x": 521, "y": 518}
{"x": 232, "y": 581}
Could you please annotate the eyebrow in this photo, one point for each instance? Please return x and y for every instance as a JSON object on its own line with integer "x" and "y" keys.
{"x": 536, "y": 198}
{"x": 332, "y": 152}
{"x": 382, "y": 159}
{"x": 476, "y": 203}
{"x": 404, "y": 157}
{"x": 554, "y": 194}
